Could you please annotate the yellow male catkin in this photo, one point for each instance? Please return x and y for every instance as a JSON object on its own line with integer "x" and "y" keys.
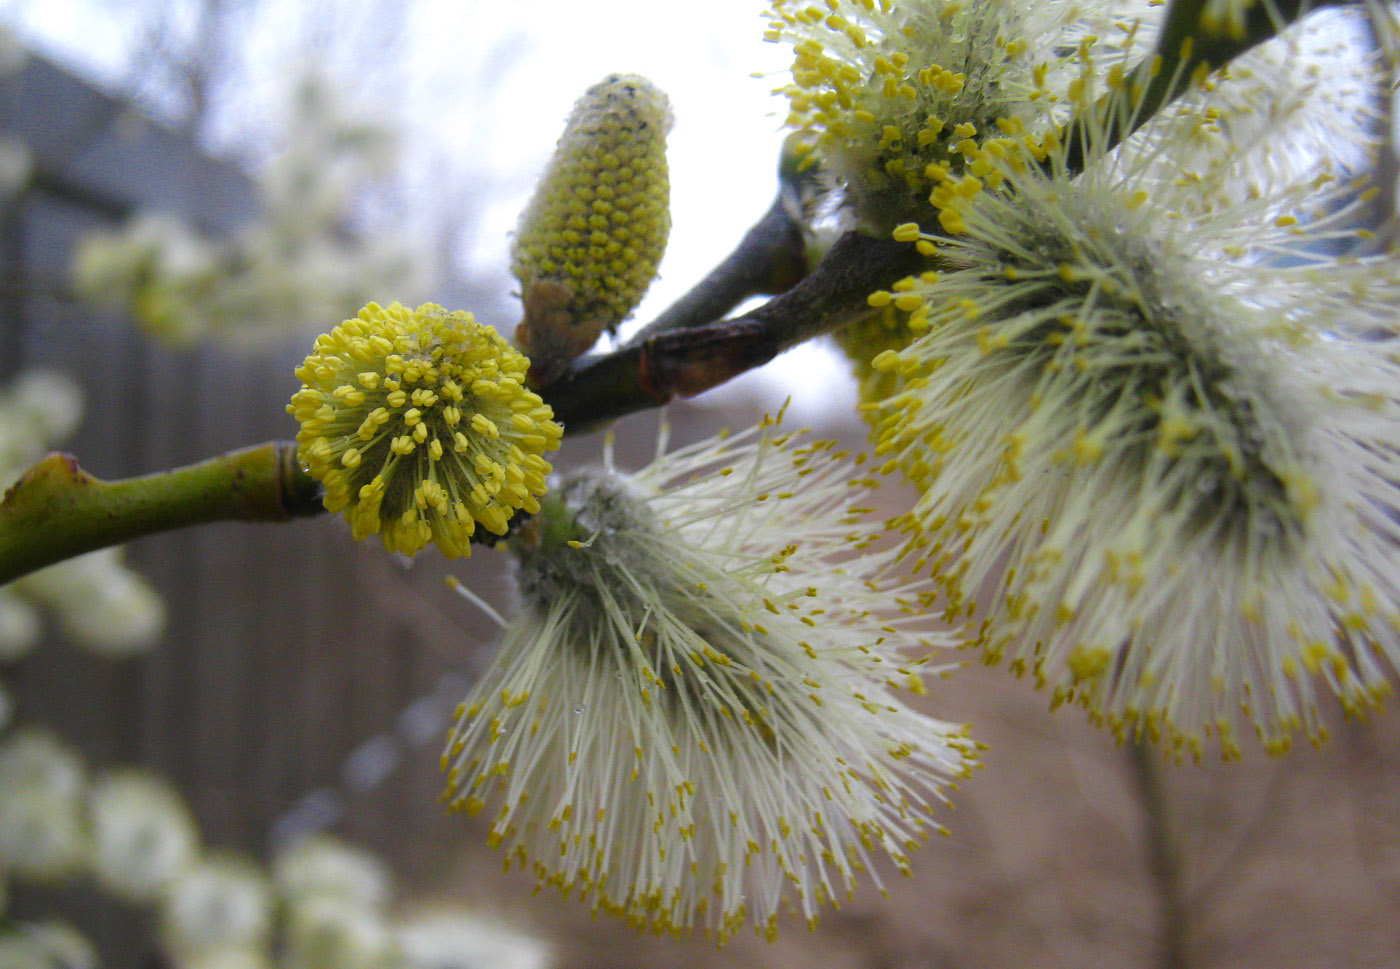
{"x": 419, "y": 427}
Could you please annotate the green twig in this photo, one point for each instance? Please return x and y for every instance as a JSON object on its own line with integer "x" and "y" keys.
{"x": 56, "y": 510}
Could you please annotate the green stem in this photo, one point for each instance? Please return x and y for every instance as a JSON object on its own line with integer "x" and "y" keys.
{"x": 56, "y": 510}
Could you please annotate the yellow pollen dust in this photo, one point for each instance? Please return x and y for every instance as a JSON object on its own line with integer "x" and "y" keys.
{"x": 419, "y": 426}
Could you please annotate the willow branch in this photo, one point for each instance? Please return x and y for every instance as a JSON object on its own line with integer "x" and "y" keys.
{"x": 56, "y": 510}
{"x": 1186, "y": 49}
{"x": 684, "y": 362}
{"x": 770, "y": 259}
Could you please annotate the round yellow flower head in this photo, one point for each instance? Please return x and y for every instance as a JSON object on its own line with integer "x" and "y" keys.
{"x": 419, "y": 427}
{"x": 590, "y": 240}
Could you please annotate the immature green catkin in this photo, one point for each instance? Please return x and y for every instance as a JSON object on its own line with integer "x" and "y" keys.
{"x": 590, "y": 240}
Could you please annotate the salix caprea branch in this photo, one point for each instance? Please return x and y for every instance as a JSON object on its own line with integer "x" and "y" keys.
{"x": 682, "y": 362}
{"x": 57, "y": 510}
